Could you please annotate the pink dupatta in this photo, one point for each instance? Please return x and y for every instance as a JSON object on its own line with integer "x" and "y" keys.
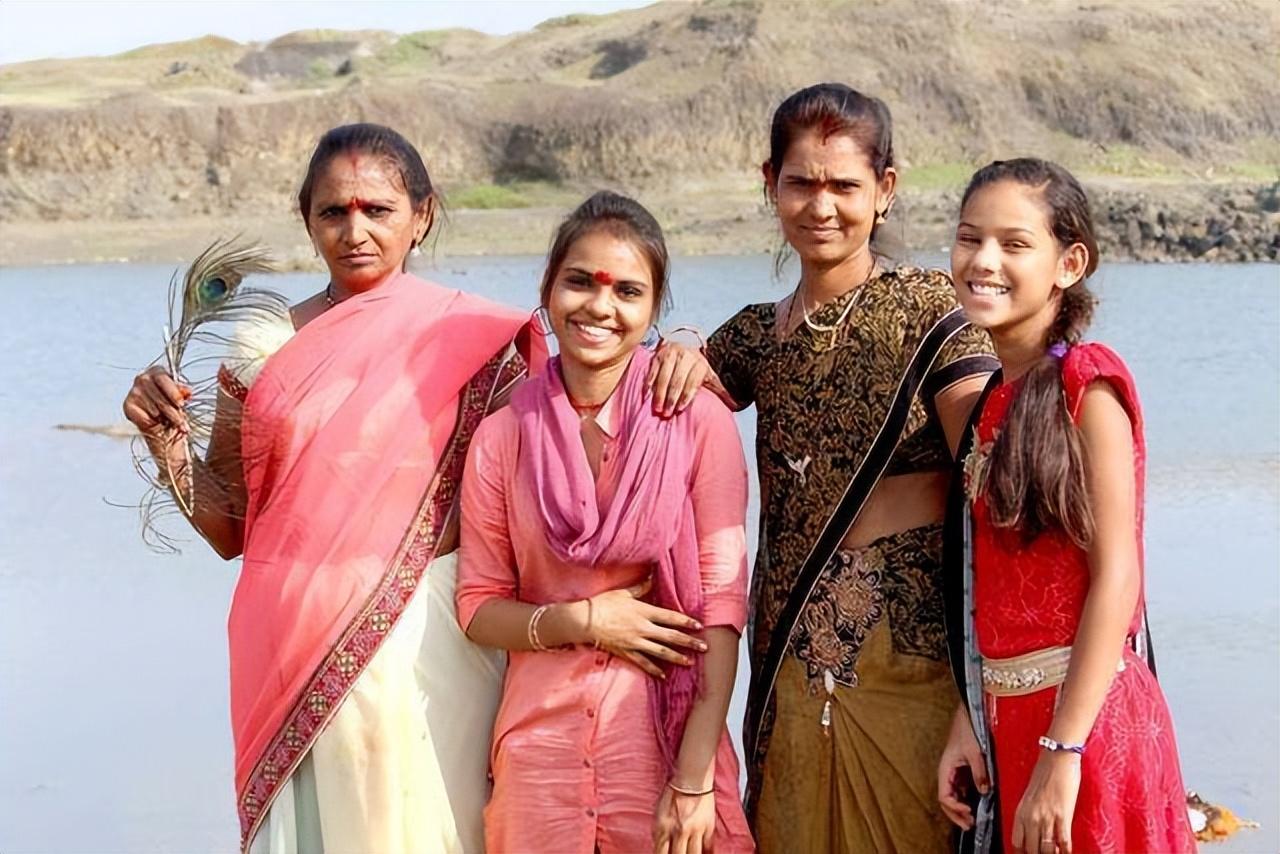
{"x": 354, "y": 436}
{"x": 649, "y": 520}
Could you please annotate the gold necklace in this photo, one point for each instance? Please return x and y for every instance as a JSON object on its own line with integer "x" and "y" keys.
{"x": 844, "y": 315}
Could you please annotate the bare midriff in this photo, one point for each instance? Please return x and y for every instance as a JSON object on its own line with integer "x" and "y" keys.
{"x": 898, "y": 504}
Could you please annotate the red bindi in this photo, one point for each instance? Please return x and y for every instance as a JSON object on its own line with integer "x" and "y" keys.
{"x": 602, "y": 277}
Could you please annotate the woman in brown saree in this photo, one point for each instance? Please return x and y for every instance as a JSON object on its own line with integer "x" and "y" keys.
{"x": 863, "y": 379}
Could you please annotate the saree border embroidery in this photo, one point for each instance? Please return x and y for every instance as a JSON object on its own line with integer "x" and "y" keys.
{"x": 363, "y": 637}
{"x": 885, "y": 580}
{"x": 832, "y": 627}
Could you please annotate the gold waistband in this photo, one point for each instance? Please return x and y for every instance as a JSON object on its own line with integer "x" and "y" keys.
{"x": 1028, "y": 673}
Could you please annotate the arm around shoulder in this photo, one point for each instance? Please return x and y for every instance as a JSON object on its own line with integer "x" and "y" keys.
{"x": 719, "y": 501}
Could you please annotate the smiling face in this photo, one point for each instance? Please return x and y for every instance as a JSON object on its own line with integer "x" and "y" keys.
{"x": 602, "y": 300}
{"x": 1008, "y": 268}
{"x": 827, "y": 196}
{"x": 362, "y": 220}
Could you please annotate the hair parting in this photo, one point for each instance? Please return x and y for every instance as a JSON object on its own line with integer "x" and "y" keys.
{"x": 1036, "y": 478}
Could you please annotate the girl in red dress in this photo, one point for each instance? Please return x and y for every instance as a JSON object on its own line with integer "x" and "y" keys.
{"x": 1082, "y": 741}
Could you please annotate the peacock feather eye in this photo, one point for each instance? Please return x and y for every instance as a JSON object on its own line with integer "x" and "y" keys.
{"x": 213, "y": 289}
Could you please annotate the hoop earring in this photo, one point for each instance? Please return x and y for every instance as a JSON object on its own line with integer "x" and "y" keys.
{"x": 652, "y": 338}
{"x": 542, "y": 320}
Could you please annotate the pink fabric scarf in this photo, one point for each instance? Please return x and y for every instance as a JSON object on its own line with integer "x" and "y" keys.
{"x": 649, "y": 520}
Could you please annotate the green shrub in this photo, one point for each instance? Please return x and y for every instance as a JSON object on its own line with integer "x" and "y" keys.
{"x": 487, "y": 197}
{"x": 937, "y": 176}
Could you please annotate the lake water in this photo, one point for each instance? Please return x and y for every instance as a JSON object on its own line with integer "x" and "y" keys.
{"x": 114, "y": 732}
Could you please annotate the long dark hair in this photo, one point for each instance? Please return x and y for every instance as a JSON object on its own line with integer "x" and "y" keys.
{"x": 624, "y": 218}
{"x": 375, "y": 141}
{"x": 1036, "y": 478}
{"x": 832, "y": 108}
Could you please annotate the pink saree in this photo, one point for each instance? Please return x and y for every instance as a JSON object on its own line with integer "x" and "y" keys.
{"x": 354, "y": 437}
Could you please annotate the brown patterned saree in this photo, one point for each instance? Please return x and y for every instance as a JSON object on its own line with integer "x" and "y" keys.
{"x": 848, "y": 651}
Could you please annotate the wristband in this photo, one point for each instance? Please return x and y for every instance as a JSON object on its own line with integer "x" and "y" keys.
{"x": 1058, "y": 747}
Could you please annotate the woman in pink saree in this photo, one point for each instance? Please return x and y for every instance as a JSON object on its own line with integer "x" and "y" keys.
{"x": 361, "y": 713}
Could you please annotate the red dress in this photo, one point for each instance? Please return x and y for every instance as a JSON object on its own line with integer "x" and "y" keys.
{"x": 1028, "y": 597}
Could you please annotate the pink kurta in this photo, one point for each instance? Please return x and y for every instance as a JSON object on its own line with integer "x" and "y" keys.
{"x": 576, "y": 761}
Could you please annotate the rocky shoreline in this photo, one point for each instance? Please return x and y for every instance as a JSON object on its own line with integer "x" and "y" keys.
{"x": 1230, "y": 225}
{"x": 1181, "y": 223}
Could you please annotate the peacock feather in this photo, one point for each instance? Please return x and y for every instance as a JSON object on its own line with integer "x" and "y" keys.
{"x": 210, "y": 294}
{"x": 209, "y": 307}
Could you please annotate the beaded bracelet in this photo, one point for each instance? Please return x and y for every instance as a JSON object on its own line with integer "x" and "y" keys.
{"x": 534, "y": 642}
{"x": 1058, "y": 747}
{"x": 693, "y": 793}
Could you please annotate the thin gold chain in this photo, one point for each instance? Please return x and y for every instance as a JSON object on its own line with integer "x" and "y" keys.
{"x": 844, "y": 315}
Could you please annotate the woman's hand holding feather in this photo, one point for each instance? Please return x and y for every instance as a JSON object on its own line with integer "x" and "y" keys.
{"x": 155, "y": 406}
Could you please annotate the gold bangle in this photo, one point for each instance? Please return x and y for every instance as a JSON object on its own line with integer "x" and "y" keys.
{"x": 693, "y": 793}
{"x": 534, "y": 641}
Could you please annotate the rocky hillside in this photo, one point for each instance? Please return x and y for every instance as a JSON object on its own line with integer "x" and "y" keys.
{"x": 671, "y": 99}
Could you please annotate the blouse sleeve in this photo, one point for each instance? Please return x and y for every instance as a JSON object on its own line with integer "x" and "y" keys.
{"x": 486, "y": 561}
{"x": 732, "y": 354}
{"x": 968, "y": 352}
{"x": 719, "y": 497}
{"x": 1088, "y": 363}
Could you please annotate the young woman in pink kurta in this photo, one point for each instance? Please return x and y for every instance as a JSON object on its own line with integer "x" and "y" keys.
{"x": 595, "y": 508}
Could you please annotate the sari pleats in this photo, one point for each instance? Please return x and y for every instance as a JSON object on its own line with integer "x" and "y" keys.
{"x": 867, "y": 777}
{"x": 402, "y": 767}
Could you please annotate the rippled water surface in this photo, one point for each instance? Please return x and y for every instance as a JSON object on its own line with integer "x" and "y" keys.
{"x": 114, "y": 732}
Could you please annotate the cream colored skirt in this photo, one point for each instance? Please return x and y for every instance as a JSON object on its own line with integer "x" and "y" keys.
{"x": 403, "y": 766}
